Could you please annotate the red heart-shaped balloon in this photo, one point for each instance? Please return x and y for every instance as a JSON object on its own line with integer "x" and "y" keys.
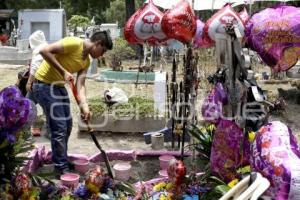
{"x": 179, "y": 22}
{"x": 176, "y": 171}
{"x": 218, "y": 22}
{"x": 129, "y": 29}
{"x": 145, "y": 26}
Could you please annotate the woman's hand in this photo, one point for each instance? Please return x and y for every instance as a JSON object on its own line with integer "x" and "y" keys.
{"x": 29, "y": 86}
{"x": 68, "y": 76}
{"x": 85, "y": 112}
{"x": 29, "y": 83}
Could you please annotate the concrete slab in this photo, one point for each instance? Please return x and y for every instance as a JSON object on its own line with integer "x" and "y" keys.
{"x": 109, "y": 124}
{"x": 11, "y": 55}
{"x": 10, "y": 66}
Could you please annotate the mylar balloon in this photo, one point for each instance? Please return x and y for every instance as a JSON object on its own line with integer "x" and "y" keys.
{"x": 218, "y": 22}
{"x": 244, "y": 16}
{"x": 176, "y": 171}
{"x": 129, "y": 29}
{"x": 199, "y": 34}
{"x": 226, "y": 155}
{"x": 274, "y": 34}
{"x": 179, "y": 22}
{"x": 212, "y": 107}
{"x": 145, "y": 26}
{"x": 276, "y": 155}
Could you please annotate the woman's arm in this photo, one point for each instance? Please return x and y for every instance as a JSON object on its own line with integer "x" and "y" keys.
{"x": 48, "y": 53}
{"x": 34, "y": 65}
{"x": 80, "y": 84}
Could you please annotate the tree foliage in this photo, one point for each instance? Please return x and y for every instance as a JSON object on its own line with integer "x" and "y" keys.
{"x": 116, "y": 12}
{"x": 87, "y": 8}
{"x": 78, "y": 21}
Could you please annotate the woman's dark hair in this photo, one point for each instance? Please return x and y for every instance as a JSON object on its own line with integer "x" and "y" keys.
{"x": 104, "y": 37}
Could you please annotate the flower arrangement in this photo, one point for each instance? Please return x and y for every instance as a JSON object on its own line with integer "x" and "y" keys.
{"x": 17, "y": 111}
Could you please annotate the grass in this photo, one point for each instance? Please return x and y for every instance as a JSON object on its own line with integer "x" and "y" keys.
{"x": 136, "y": 106}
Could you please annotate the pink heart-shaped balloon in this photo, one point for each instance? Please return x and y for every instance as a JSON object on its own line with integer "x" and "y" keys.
{"x": 199, "y": 33}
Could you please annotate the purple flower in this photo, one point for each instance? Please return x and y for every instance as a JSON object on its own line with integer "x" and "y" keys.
{"x": 49, "y": 188}
{"x": 108, "y": 184}
{"x": 5, "y": 135}
{"x": 81, "y": 191}
{"x": 196, "y": 189}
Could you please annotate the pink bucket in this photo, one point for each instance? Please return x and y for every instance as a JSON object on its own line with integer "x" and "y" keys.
{"x": 81, "y": 165}
{"x": 164, "y": 161}
{"x": 163, "y": 173}
{"x": 70, "y": 180}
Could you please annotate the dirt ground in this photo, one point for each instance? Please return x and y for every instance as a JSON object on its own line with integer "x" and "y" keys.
{"x": 81, "y": 143}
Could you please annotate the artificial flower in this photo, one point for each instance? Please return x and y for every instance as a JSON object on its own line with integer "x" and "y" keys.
{"x": 251, "y": 136}
{"x": 169, "y": 186}
{"x": 211, "y": 128}
{"x": 232, "y": 183}
{"x": 165, "y": 197}
{"x": 160, "y": 186}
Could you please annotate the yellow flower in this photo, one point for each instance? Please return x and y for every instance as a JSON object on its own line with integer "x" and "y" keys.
{"x": 244, "y": 170}
{"x": 203, "y": 130}
{"x": 165, "y": 197}
{"x": 169, "y": 186}
{"x": 4, "y": 144}
{"x": 92, "y": 188}
{"x": 7, "y": 187}
{"x": 251, "y": 136}
{"x": 233, "y": 183}
{"x": 211, "y": 128}
{"x": 159, "y": 186}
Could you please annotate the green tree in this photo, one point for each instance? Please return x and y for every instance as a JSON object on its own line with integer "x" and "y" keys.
{"x": 78, "y": 21}
{"x": 116, "y": 12}
{"x": 88, "y": 8}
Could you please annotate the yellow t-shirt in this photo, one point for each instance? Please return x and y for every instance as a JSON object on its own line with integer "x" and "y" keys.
{"x": 71, "y": 60}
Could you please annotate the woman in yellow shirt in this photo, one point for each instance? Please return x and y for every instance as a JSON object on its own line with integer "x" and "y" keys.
{"x": 61, "y": 60}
